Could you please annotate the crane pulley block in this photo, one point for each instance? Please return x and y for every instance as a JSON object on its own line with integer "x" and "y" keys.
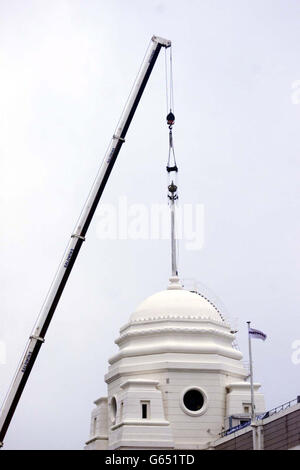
{"x": 170, "y": 119}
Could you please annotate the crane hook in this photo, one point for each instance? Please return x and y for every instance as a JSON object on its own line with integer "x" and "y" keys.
{"x": 170, "y": 119}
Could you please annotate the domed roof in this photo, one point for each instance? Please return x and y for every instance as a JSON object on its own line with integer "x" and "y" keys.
{"x": 175, "y": 303}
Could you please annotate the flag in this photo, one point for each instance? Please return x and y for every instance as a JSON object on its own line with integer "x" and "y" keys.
{"x": 257, "y": 334}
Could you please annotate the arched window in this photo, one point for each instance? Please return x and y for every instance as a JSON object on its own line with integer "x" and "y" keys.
{"x": 113, "y": 409}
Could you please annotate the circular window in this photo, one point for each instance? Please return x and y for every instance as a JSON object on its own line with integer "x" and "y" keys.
{"x": 113, "y": 409}
{"x": 193, "y": 401}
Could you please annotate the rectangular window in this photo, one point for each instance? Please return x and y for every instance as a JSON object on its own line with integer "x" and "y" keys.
{"x": 247, "y": 408}
{"x": 145, "y": 409}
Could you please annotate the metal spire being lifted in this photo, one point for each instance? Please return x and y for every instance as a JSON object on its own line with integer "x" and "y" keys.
{"x": 172, "y": 170}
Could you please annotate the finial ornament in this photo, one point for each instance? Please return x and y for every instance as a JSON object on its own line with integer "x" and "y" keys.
{"x": 174, "y": 283}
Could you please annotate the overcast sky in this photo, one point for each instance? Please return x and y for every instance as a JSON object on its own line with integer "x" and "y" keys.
{"x": 67, "y": 67}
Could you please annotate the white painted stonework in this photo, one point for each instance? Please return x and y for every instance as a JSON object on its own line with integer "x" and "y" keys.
{"x": 175, "y": 341}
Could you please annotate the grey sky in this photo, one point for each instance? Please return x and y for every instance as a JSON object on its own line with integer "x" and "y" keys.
{"x": 66, "y": 70}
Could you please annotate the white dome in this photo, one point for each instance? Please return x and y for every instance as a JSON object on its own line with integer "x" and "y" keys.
{"x": 175, "y": 303}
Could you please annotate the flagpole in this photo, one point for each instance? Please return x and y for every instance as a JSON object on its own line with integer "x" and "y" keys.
{"x": 251, "y": 375}
{"x": 253, "y": 422}
{"x": 256, "y": 430}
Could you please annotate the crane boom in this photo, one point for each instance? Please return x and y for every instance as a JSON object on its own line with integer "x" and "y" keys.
{"x": 38, "y": 336}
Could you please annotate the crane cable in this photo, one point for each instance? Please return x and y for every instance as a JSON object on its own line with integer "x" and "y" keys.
{"x": 169, "y": 80}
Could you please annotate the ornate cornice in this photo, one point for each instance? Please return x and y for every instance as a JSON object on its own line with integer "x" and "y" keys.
{"x": 177, "y": 318}
{"x": 168, "y": 346}
{"x": 138, "y": 369}
{"x": 175, "y": 330}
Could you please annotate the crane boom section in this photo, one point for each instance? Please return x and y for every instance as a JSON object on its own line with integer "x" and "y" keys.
{"x": 76, "y": 240}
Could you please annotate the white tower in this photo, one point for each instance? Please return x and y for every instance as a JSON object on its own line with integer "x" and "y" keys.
{"x": 176, "y": 379}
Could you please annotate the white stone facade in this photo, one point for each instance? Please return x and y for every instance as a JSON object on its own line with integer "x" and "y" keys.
{"x": 175, "y": 380}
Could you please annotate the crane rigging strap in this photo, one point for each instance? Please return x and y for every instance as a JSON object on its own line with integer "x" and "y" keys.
{"x": 171, "y": 165}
